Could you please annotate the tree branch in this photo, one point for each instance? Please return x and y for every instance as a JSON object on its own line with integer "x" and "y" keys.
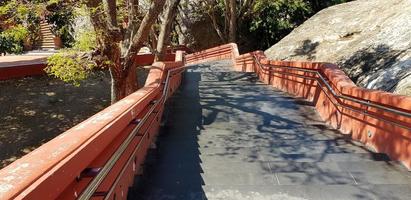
{"x": 133, "y": 14}
{"x": 144, "y": 30}
{"x": 211, "y": 13}
{"x": 97, "y": 17}
{"x": 233, "y": 21}
{"x": 112, "y": 12}
{"x": 244, "y": 9}
{"x": 165, "y": 28}
{"x": 99, "y": 20}
{"x": 226, "y": 16}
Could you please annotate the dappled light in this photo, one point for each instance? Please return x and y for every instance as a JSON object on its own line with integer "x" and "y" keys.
{"x": 36, "y": 109}
{"x": 205, "y": 99}
{"x": 228, "y": 135}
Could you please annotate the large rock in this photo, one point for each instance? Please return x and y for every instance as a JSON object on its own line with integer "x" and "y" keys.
{"x": 369, "y": 39}
{"x": 194, "y": 27}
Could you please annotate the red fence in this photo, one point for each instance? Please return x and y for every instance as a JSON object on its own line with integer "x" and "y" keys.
{"x": 380, "y": 120}
{"x": 227, "y": 51}
{"x": 20, "y": 66}
{"x": 18, "y": 69}
{"x": 99, "y": 157}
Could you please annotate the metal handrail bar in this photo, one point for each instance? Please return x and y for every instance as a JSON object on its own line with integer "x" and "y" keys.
{"x": 362, "y": 102}
{"x": 347, "y": 107}
{"x": 95, "y": 183}
{"x": 113, "y": 186}
{"x": 340, "y": 105}
{"x": 92, "y": 187}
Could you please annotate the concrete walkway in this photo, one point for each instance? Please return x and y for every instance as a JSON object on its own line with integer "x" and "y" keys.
{"x": 228, "y": 136}
{"x": 21, "y": 60}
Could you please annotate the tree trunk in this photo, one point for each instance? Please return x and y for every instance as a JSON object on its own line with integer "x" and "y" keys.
{"x": 143, "y": 31}
{"x": 165, "y": 28}
{"x": 138, "y": 40}
{"x": 227, "y": 4}
{"x": 123, "y": 83}
{"x": 118, "y": 75}
{"x": 111, "y": 12}
{"x": 213, "y": 17}
{"x": 233, "y": 21}
{"x": 120, "y": 48}
{"x": 131, "y": 80}
{"x": 118, "y": 86}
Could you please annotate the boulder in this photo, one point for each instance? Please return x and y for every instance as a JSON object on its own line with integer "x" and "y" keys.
{"x": 369, "y": 39}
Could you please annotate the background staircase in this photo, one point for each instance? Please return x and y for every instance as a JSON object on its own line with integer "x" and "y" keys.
{"x": 46, "y": 41}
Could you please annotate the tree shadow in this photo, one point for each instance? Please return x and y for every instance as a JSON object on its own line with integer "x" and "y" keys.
{"x": 172, "y": 170}
{"x": 34, "y": 110}
{"x": 307, "y": 49}
{"x": 371, "y": 63}
{"x": 232, "y": 133}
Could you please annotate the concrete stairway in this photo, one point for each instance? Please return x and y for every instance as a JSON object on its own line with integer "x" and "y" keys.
{"x": 228, "y": 136}
{"x": 46, "y": 41}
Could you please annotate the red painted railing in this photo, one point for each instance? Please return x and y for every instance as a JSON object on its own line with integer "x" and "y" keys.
{"x": 20, "y": 66}
{"x": 227, "y": 51}
{"x": 380, "y": 120}
{"x": 34, "y": 65}
{"x": 69, "y": 165}
{"x": 99, "y": 157}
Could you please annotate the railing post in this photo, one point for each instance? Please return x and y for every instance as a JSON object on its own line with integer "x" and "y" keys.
{"x": 269, "y": 76}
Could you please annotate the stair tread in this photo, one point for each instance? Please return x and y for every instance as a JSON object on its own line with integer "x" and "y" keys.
{"x": 223, "y": 142}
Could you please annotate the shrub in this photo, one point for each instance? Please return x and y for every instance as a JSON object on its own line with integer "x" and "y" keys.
{"x": 12, "y": 39}
{"x": 5, "y": 45}
{"x": 85, "y": 41}
{"x": 69, "y": 66}
{"x": 61, "y": 17}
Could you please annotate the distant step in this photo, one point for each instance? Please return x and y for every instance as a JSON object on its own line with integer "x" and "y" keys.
{"x": 46, "y": 40}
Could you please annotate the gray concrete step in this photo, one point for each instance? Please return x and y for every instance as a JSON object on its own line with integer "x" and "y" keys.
{"x": 228, "y": 136}
{"x": 325, "y": 192}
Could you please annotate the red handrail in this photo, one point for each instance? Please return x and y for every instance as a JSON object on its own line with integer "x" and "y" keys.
{"x": 64, "y": 167}
{"x": 381, "y": 120}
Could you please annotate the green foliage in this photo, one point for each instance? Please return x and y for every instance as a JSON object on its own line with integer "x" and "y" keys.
{"x": 59, "y": 13}
{"x": 5, "y": 45}
{"x": 18, "y": 12}
{"x": 20, "y": 18}
{"x": 272, "y": 20}
{"x": 12, "y": 39}
{"x": 17, "y": 33}
{"x": 261, "y": 23}
{"x": 86, "y": 41}
{"x": 61, "y": 18}
{"x": 69, "y": 67}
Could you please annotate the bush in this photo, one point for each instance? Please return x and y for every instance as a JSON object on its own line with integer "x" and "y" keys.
{"x": 85, "y": 41}
{"x": 69, "y": 66}
{"x": 60, "y": 17}
{"x": 5, "y": 45}
{"x": 12, "y": 39}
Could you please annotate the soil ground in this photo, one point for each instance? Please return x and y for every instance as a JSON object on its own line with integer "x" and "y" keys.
{"x": 34, "y": 110}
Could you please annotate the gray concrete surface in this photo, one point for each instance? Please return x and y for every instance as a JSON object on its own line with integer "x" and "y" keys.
{"x": 228, "y": 136}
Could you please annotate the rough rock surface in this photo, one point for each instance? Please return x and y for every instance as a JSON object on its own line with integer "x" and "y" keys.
{"x": 369, "y": 39}
{"x": 195, "y": 29}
